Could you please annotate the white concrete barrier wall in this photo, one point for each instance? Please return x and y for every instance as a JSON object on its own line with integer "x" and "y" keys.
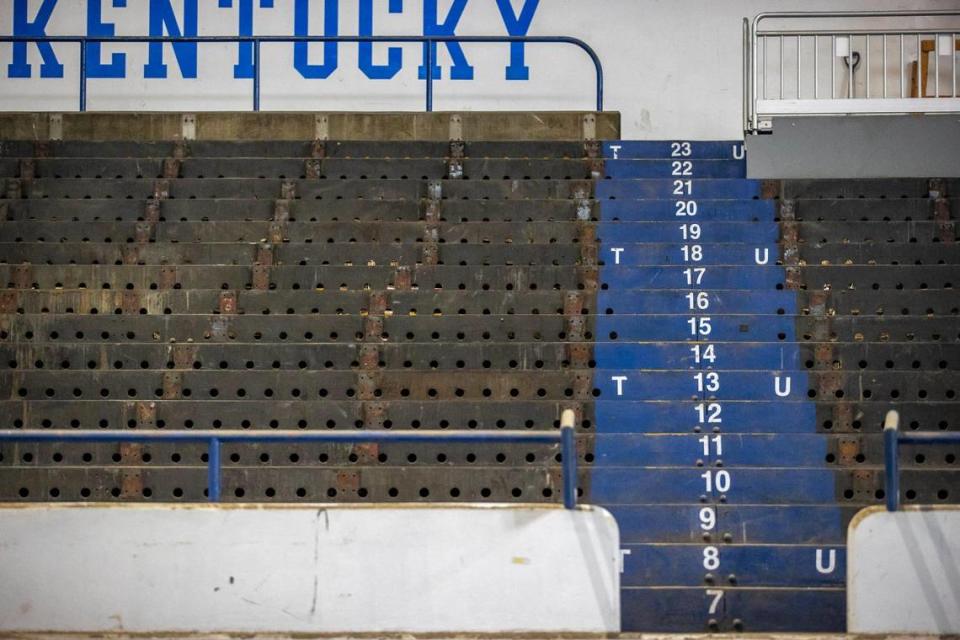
{"x": 308, "y": 568}
{"x": 903, "y": 573}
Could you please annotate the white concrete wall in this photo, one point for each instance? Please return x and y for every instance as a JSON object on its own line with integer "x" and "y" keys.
{"x": 319, "y": 569}
{"x": 903, "y": 571}
{"x": 673, "y": 66}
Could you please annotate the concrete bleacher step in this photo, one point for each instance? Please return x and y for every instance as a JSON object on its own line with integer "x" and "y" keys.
{"x": 495, "y": 285}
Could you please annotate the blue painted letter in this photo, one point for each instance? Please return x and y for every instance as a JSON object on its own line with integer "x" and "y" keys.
{"x": 20, "y": 68}
{"x": 461, "y": 69}
{"x": 244, "y": 66}
{"x": 517, "y": 26}
{"x": 301, "y": 51}
{"x": 162, "y": 17}
{"x": 394, "y": 54}
{"x": 97, "y": 27}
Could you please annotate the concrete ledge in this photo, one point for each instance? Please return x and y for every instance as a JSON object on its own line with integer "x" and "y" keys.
{"x": 521, "y": 126}
{"x": 855, "y": 147}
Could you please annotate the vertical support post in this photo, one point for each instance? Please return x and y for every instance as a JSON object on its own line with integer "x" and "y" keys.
{"x": 83, "y": 76}
{"x": 256, "y": 75}
{"x": 891, "y": 446}
{"x": 213, "y": 470}
{"x": 568, "y": 451}
{"x": 850, "y": 65}
{"x": 816, "y": 67}
{"x": 430, "y": 46}
{"x": 747, "y": 54}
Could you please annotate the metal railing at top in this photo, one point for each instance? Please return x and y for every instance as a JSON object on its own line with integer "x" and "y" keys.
{"x": 892, "y": 439}
{"x": 821, "y": 68}
{"x": 430, "y": 45}
{"x": 214, "y": 439}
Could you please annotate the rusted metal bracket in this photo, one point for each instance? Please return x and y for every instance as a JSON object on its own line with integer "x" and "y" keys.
{"x": 318, "y": 149}
{"x": 28, "y": 170}
{"x": 130, "y": 302}
{"x": 41, "y": 149}
{"x": 583, "y": 199}
{"x": 4, "y": 211}
{"x": 172, "y": 385}
{"x": 822, "y": 319}
{"x": 13, "y": 189}
{"x": 144, "y": 232}
{"x": 260, "y": 277}
{"x": 455, "y": 158}
{"x": 403, "y": 278}
{"x": 770, "y": 189}
{"x": 367, "y": 384}
{"x": 790, "y": 241}
{"x": 288, "y": 190}
{"x": 9, "y": 301}
{"x": 228, "y": 302}
{"x": 181, "y": 150}
{"x": 183, "y": 354}
{"x": 848, "y": 449}
{"x": 168, "y": 277}
{"x": 151, "y": 212}
{"x": 219, "y": 328}
{"x": 161, "y": 189}
{"x": 592, "y": 153}
{"x": 430, "y": 251}
{"x": 171, "y": 168}
{"x": 946, "y": 229}
{"x": 313, "y": 168}
{"x": 866, "y": 482}
{"x": 23, "y": 276}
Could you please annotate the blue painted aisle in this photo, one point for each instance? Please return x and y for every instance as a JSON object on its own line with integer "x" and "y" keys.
{"x": 706, "y": 447}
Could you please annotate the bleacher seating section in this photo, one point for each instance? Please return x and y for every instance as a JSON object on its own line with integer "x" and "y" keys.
{"x": 729, "y": 346}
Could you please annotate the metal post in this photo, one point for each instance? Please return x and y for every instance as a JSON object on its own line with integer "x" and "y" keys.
{"x": 919, "y": 67}
{"x": 256, "y": 75}
{"x": 891, "y": 459}
{"x": 83, "y": 76}
{"x": 798, "y": 66}
{"x": 816, "y": 67}
{"x": 213, "y": 470}
{"x": 936, "y": 65}
{"x": 850, "y": 66}
{"x": 903, "y": 74}
{"x": 430, "y": 45}
{"x": 746, "y": 75}
{"x": 568, "y": 452}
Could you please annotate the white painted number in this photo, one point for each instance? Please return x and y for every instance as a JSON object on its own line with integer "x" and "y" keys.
{"x": 712, "y": 443}
{"x": 707, "y": 381}
{"x": 680, "y": 149}
{"x": 695, "y": 275}
{"x": 719, "y": 481}
{"x": 708, "y": 519}
{"x": 682, "y": 168}
{"x": 698, "y": 301}
{"x": 704, "y": 353}
{"x": 687, "y": 208}
{"x": 690, "y": 231}
{"x": 709, "y": 413}
{"x": 692, "y": 252}
{"x": 717, "y": 595}
{"x": 700, "y": 326}
{"x": 682, "y": 187}
{"x": 711, "y": 558}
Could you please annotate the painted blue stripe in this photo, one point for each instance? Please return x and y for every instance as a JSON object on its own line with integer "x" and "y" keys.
{"x": 655, "y": 189}
{"x": 621, "y": 356}
{"x": 710, "y": 254}
{"x": 749, "y": 485}
{"x": 615, "y": 234}
{"x": 766, "y": 328}
{"x": 764, "y": 278}
{"x": 648, "y": 565}
{"x": 744, "y": 524}
{"x": 723, "y": 150}
{"x": 708, "y": 211}
{"x": 621, "y": 416}
{"x": 687, "y": 609}
{"x": 675, "y": 168}
{"x": 685, "y": 450}
{"x": 721, "y": 302}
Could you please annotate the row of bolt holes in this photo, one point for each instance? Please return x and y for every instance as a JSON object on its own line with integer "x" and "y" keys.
{"x": 407, "y": 364}
{"x": 462, "y": 286}
{"x": 441, "y": 458}
{"x": 434, "y": 394}
{"x": 929, "y": 311}
{"x": 301, "y": 492}
{"x": 46, "y": 423}
{"x": 200, "y": 176}
{"x": 393, "y": 492}
{"x": 435, "y": 336}
{"x": 269, "y": 218}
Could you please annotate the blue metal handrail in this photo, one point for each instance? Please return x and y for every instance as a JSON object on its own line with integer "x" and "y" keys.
{"x": 429, "y": 41}
{"x": 892, "y": 439}
{"x": 215, "y": 438}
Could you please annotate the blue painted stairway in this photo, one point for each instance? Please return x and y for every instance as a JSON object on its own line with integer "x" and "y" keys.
{"x": 706, "y": 445}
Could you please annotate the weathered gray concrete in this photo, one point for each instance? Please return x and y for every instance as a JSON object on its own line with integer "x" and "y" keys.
{"x": 567, "y": 125}
{"x": 857, "y": 147}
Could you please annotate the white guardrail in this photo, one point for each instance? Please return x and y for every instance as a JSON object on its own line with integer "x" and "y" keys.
{"x": 849, "y": 63}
